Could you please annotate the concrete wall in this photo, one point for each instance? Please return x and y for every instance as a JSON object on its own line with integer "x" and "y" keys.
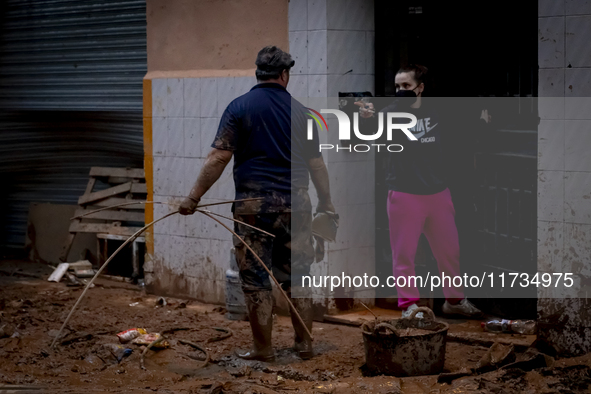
{"x": 564, "y": 170}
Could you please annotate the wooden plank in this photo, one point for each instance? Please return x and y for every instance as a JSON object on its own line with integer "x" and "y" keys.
{"x": 139, "y": 188}
{"x": 117, "y": 172}
{"x": 115, "y": 180}
{"x": 113, "y": 237}
{"x": 121, "y": 216}
{"x": 90, "y": 185}
{"x": 107, "y": 228}
{"x": 109, "y": 202}
{"x": 112, "y": 191}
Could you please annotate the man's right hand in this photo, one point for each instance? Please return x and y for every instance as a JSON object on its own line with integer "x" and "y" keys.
{"x": 188, "y": 206}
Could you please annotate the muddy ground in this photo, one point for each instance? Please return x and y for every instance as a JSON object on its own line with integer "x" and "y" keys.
{"x": 35, "y": 309}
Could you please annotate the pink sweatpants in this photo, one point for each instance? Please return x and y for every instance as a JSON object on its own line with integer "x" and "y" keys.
{"x": 434, "y": 215}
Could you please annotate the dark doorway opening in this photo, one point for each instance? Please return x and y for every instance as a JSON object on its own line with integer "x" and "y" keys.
{"x": 473, "y": 50}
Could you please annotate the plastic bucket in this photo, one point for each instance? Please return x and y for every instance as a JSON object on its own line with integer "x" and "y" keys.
{"x": 389, "y": 353}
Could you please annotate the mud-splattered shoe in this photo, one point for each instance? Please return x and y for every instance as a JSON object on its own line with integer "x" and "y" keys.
{"x": 462, "y": 308}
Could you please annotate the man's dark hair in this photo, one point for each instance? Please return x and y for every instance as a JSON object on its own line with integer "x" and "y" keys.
{"x": 420, "y": 72}
{"x": 271, "y": 61}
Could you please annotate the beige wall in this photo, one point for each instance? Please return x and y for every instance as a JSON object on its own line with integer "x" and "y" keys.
{"x": 213, "y": 34}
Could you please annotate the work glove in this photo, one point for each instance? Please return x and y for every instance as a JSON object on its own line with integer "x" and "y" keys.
{"x": 188, "y": 206}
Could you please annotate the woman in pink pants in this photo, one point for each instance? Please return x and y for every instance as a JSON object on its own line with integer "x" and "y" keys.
{"x": 419, "y": 201}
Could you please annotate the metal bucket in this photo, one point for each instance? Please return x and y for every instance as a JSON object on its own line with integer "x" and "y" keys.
{"x": 388, "y": 353}
{"x": 235, "y": 304}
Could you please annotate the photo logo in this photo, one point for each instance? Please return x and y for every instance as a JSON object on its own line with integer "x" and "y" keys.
{"x": 315, "y": 117}
{"x": 345, "y": 130}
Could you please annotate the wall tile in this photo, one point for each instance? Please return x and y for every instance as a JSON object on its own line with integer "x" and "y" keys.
{"x": 159, "y": 211}
{"x": 577, "y": 249}
{"x": 208, "y": 97}
{"x": 298, "y": 48}
{"x": 550, "y": 246}
{"x": 226, "y": 93}
{"x": 176, "y": 222}
{"x": 357, "y": 176}
{"x": 176, "y": 175}
{"x": 317, "y": 85}
{"x": 578, "y": 31}
{"x": 197, "y": 226}
{"x": 297, "y": 15}
{"x": 551, "y": 145}
{"x": 317, "y": 14}
{"x": 242, "y": 85}
{"x": 209, "y": 128}
{"x": 577, "y": 197}
{"x": 298, "y": 86}
{"x": 175, "y": 103}
{"x": 192, "y": 93}
{"x": 550, "y": 196}
{"x": 551, "y": 82}
{"x": 577, "y": 7}
{"x": 346, "y": 52}
{"x": 176, "y": 137}
{"x": 162, "y": 248}
{"x": 551, "y": 108}
{"x": 160, "y": 136}
{"x": 192, "y": 137}
{"x": 551, "y": 7}
{"x": 577, "y": 83}
{"x": 161, "y": 175}
{"x": 350, "y": 15}
{"x": 338, "y": 262}
{"x": 551, "y": 42}
{"x": 159, "y": 97}
{"x": 339, "y": 182}
{"x": 370, "y": 66}
{"x": 362, "y": 226}
{"x": 317, "y": 52}
{"x": 577, "y": 143}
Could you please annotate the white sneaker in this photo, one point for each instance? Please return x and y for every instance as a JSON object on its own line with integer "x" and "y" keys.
{"x": 409, "y": 310}
{"x": 463, "y": 308}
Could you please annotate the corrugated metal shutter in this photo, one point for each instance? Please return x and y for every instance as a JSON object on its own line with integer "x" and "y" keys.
{"x": 70, "y": 98}
{"x": 85, "y": 55}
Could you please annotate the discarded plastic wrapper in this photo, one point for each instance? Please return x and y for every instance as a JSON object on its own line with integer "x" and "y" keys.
{"x": 128, "y": 335}
{"x": 118, "y": 351}
{"x": 147, "y": 339}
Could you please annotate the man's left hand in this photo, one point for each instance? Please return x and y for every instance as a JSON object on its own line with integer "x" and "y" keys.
{"x": 325, "y": 207}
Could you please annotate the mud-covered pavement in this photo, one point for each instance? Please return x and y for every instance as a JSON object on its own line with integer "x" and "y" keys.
{"x": 34, "y": 309}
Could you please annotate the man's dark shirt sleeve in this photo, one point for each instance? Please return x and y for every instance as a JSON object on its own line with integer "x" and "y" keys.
{"x": 227, "y": 135}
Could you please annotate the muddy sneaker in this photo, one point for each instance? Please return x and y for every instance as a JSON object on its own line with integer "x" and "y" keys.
{"x": 409, "y": 310}
{"x": 462, "y": 308}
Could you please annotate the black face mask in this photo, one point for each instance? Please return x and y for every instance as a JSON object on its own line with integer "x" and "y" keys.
{"x": 406, "y": 93}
